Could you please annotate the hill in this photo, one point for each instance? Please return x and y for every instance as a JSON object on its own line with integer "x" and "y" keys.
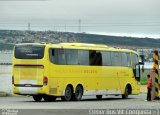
{"x": 10, "y": 37}
{"x": 120, "y": 41}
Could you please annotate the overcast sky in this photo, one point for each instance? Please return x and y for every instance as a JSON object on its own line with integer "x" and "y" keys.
{"x": 132, "y": 17}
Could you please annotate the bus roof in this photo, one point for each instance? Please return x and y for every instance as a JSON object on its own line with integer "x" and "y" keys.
{"x": 85, "y": 45}
{"x": 80, "y": 46}
{"x": 93, "y": 46}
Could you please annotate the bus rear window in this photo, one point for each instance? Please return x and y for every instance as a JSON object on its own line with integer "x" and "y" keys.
{"x": 29, "y": 52}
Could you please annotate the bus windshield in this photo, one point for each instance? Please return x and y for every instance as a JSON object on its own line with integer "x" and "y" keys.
{"x": 29, "y": 51}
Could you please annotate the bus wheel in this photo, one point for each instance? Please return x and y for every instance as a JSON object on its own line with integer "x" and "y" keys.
{"x": 126, "y": 93}
{"x": 68, "y": 94}
{"x": 48, "y": 98}
{"x": 78, "y": 93}
{"x": 99, "y": 97}
{"x": 37, "y": 98}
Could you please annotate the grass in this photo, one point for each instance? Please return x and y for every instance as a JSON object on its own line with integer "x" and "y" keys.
{"x": 143, "y": 80}
{"x": 144, "y": 76}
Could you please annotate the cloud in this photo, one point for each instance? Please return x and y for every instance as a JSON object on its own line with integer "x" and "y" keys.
{"x": 125, "y": 12}
{"x": 70, "y": 9}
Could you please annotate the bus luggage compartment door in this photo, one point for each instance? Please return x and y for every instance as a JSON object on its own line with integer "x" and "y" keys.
{"x": 28, "y": 78}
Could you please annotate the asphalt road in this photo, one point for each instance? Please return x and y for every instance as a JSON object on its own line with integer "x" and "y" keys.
{"x": 89, "y": 105}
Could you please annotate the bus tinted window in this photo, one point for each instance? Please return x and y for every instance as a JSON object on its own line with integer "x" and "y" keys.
{"x": 125, "y": 59}
{"x": 69, "y": 56}
{"x": 83, "y": 57}
{"x": 29, "y": 52}
{"x": 72, "y": 57}
{"x": 116, "y": 58}
{"x": 106, "y": 58}
{"x": 52, "y": 55}
{"x": 60, "y": 56}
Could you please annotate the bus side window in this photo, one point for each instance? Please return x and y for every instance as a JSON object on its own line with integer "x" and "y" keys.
{"x": 95, "y": 58}
{"x": 125, "y": 59}
{"x": 83, "y": 57}
{"x": 106, "y": 58}
{"x": 116, "y": 59}
{"x": 92, "y": 57}
{"x": 51, "y": 55}
{"x": 61, "y": 57}
{"x": 98, "y": 59}
{"x": 129, "y": 59}
{"x": 57, "y": 56}
{"x": 71, "y": 56}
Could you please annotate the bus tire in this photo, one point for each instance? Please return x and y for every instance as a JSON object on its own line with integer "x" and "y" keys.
{"x": 99, "y": 97}
{"x": 126, "y": 93}
{"x": 37, "y": 98}
{"x": 48, "y": 98}
{"x": 78, "y": 93}
{"x": 68, "y": 94}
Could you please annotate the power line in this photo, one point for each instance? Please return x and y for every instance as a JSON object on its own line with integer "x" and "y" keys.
{"x": 79, "y": 25}
{"x": 67, "y": 26}
{"x": 29, "y": 26}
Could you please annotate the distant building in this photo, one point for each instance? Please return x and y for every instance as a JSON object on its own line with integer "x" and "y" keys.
{"x": 148, "y": 54}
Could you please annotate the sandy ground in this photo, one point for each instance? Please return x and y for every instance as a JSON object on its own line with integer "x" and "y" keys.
{"x": 143, "y": 89}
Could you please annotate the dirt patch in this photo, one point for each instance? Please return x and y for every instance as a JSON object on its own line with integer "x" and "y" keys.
{"x": 143, "y": 89}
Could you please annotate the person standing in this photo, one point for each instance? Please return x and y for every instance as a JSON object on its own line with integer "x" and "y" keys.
{"x": 149, "y": 87}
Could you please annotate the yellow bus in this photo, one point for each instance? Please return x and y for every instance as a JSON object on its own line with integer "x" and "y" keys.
{"x": 71, "y": 70}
